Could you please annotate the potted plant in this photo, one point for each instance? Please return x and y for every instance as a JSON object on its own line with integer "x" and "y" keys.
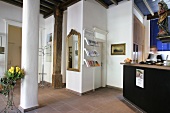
{"x": 8, "y": 82}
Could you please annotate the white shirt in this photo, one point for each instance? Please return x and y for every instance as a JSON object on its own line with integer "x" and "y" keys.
{"x": 154, "y": 57}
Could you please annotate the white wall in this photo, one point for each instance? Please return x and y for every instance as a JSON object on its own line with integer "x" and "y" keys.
{"x": 94, "y": 15}
{"x": 120, "y": 28}
{"x": 12, "y": 13}
{"x": 84, "y": 14}
{"x": 74, "y": 21}
{"x": 9, "y": 12}
{"x": 48, "y": 66}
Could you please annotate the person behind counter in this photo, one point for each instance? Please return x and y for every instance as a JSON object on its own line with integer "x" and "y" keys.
{"x": 154, "y": 56}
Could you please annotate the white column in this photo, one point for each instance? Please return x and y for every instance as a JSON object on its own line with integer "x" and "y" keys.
{"x": 30, "y": 37}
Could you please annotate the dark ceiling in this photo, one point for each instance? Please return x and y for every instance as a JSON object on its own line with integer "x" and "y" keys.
{"x": 109, "y": 2}
{"x": 47, "y": 7}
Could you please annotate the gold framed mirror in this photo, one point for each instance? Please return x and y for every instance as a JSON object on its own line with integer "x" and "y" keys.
{"x": 73, "y": 51}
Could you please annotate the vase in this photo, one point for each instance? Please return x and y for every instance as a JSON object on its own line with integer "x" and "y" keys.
{"x": 10, "y": 106}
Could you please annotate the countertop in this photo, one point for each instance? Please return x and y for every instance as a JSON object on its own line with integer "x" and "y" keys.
{"x": 147, "y": 66}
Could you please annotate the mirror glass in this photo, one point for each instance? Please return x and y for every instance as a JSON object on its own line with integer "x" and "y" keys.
{"x": 74, "y": 51}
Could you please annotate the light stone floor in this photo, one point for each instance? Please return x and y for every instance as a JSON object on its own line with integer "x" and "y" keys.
{"x": 103, "y": 100}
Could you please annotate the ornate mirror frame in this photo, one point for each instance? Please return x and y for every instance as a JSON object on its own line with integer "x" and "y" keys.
{"x": 74, "y": 32}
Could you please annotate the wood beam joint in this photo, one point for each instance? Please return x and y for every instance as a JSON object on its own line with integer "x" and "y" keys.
{"x": 149, "y": 17}
{"x": 52, "y": 2}
{"x": 68, "y": 3}
{"x": 13, "y": 2}
{"x": 44, "y": 9}
{"x": 42, "y": 3}
{"x": 114, "y": 2}
{"x": 48, "y": 14}
{"x": 102, "y": 3}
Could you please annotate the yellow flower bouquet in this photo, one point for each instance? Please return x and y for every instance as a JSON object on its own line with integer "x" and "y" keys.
{"x": 8, "y": 83}
{"x": 10, "y": 78}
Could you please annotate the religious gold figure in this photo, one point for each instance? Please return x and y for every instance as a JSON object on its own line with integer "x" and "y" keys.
{"x": 163, "y": 19}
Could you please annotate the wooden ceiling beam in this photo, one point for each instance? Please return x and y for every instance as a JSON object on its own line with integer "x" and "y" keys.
{"x": 102, "y": 3}
{"x": 42, "y": 12}
{"x": 13, "y": 2}
{"x": 52, "y": 2}
{"x": 47, "y": 7}
{"x": 43, "y": 3}
{"x": 68, "y": 3}
{"x": 63, "y": 6}
{"x": 44, "y": 8}
{"x": 20, "y": 1}
{"x": 149, "y": 17}
{"x": 63, "y": 0}
{"x": 20, "y": 4}
{"x": 114, "y": 2}
{"x": 49, "y": 14}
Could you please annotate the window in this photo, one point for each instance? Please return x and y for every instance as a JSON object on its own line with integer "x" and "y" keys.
{"x": 153, "y": 34}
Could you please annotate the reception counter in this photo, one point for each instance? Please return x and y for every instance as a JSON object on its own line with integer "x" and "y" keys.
{"x": 147, "y": 86}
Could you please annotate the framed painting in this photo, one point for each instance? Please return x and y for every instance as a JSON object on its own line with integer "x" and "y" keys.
{"x": 118, "y": 49}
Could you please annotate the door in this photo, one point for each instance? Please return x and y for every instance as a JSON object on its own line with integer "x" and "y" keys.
{"x": 14, "y": 46}
{"x": 97, "y": 70}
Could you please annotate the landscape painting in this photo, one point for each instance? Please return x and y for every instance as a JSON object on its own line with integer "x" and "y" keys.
{"x": 118, "y": 49}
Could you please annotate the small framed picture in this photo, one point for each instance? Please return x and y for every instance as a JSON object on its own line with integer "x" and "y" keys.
{"x": 118, "y": 49}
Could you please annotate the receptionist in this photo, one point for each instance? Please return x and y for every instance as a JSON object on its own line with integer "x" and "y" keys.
{"x": 154, "y": 56}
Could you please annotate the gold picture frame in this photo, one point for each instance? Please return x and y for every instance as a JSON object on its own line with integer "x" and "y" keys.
{"x": 118, "y": 49}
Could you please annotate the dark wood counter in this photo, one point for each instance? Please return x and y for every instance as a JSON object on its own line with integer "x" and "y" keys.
{"x": 148, "y": 66}
{"x": 154, "y": 97}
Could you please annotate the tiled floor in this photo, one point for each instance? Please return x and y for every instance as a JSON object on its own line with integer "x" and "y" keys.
{"x": 103, "y": 100}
